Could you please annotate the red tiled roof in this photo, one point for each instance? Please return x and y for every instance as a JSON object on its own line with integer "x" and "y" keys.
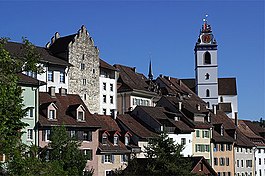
{"x": 242, "y": 140}
{"x": 254, "y": 127}
{"x": 135, "y": 127}
{"x": 222, "y": 118}
{"x": 110, "y": 148}
{"x": 107, "y": 123}
{"x": 63, "y": 116}
{"x": 222, "y": 139}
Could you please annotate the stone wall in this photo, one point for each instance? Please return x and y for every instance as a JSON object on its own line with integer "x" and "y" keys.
{"x": 84, "y": 75}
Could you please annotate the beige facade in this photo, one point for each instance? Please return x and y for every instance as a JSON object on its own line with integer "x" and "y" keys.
{"x": 201, "y": 143}
{"x": 223, "y": 158}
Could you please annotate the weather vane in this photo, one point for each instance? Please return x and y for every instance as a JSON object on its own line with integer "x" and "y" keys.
{"x": 205, "y": 19}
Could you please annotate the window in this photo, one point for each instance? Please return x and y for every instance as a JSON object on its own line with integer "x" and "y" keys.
{"x": 104, "y": 98}
{"x": 207, "y": 93}
{"x": 72, "y": 134}
{"x": 215, "y": 148}
{"x": 206, "y": 134}
{"x": 31, "y": 112}
{"x": 248, "y": 163}
{"x": 111, "y": 99}
{"x": 108, "y": 158}
{"x": 207, "y": 148}
{"x": 46, "y": 135}
{"x": 88, "y": 153}
{"x": 31, "y": 74}
{"x": 207, "y": 76}
{"x": 207, "y": 58}
{"x": 104, "y": 111}
{"x": 237, "y": 163}
{"x": 197, "y": 133}
{"x": 259, "y": 161}
{"x": 215, "y": 160}
{"x": 116, "y": 139}
{"x": 259, "y": 150}
{"x": 104, "y": 86}
{"x": 242, "y": 163}
{"x": 124, "y": 158}
{"x": 222, "y": 131}
{"x": 50, "y": 75}
{"x": 30, "y": 134}
{"x": 51, "y": 114}
{"x": 62, "y": 77}
{"x": 222, "y": 161}
{"x": 80, "y": 116}
{"x": 84, "y": 82}
{"x": 104, "y": 138}
{"x": 109, "y": 173}
{"x": 228, "y": 173}
{"x": 112, "y": 112}
{"x": 127, "y": 140}
{"x": 221, "y": 99}
{"x": 222, "y": 148}
{"x": 111, "y": 87}
{"x": 84, "y": 96}
{"x": 227, "y": 161}
{"x": 228, "y": 147}
{"x": 183, "y": 141}
{"x": 87, "y": 136}
{"x": 82, "y": 66}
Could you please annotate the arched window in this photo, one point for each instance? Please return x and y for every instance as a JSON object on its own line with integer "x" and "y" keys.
{"x": 207, "y": 93}
{"x": 221, "y": 99}
{"x": 207, "y": 58}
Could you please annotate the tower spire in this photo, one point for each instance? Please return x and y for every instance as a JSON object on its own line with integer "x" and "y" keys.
{"x": 150, "y": 74}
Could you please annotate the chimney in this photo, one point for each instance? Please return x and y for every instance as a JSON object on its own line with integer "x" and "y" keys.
{"x": 180, "y": 105}
{"x": 52, "y": 91}
{"x": 56, "y": 35}
{"x": 62, "y": 91}
{"x": 215, "y": 109}
{"x": 134, "y": 69}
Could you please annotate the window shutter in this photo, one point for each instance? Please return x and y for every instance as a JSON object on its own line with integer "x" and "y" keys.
{"x": 80, "y": 135}
{"x": 102, "y": 158}
{"x": 43, "y": 135}
{"x": 90, "y": 136}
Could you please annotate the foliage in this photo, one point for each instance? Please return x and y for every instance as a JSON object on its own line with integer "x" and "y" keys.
{"x": 163, "y": 158}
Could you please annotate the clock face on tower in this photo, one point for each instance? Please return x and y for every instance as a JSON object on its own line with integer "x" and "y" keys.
{"x": 206, "y": 38}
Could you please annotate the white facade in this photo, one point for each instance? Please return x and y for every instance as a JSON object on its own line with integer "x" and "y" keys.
{"x": 244, "y": 161}
{"x": 260, "y": 161}
{"x": 186, "y": 140}
{"x": 141, "y": 101}
{"x": 230, "y": 99}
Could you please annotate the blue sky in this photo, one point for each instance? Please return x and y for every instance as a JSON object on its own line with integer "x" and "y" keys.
{"x": 132, "y": 32}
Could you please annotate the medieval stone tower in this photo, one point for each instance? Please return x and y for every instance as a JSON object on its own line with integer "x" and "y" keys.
{"x": 83, "y": 77}
{"x": 206, "y": 72}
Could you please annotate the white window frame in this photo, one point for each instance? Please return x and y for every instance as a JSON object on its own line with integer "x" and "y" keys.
{"x": 51, "y": 115}
{"x": 30, "y": 134}
{"x": 50, "y": 76}
{"x": 108, "y": 158}
{"x": 62, "y": 77}
{"x": 80, "y": 118}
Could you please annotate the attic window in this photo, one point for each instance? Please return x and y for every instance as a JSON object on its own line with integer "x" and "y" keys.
{"x": 198, "y": 107}
{"x": 222, "y": 130}
{"x": 52, "y": 115}
{"x": 235, "y": 135}
{"x": 127, "y": 139}
{"x": 116, "y": 139}
{"x": 80, "y": 116}
{"x": 104, "y": 138}
{"x": 177, "y": 118}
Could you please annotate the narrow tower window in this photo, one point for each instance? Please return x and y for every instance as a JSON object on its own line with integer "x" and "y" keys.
{"x": 207, "y": 58}
{"x": 207, "y": 93}
{"x": 207, "y": 76}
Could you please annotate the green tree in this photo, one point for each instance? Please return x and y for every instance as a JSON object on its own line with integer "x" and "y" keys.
{"x": 163, "y": 158}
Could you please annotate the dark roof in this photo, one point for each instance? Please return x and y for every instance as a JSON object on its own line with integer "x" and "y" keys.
{"x": 63, "y": 102}
{"x": 222, "y": 139}
{"x": 111, "y": 148}
{"x": 171, "y": 86}
{"x": 222, "y": 118}
{"x": 61, "y": 44}
{"x": 103, "y": 64}
{"x": 242, "y": 140}
{"x": 254, "y": 127}
{"x": 226, "y": 107}
{"x": 107, "y": 123}
{"x": 135, "y": 127}
{"x": 130, "y": 79}
{"x": 196, "y": 160}
{"x": 16, "y": 49}
{"x": 25, "y": 80}
{"x": 226, "y": 86}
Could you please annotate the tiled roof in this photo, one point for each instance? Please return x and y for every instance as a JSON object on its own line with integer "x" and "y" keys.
{"x": 110, "y": 148}
{"x": 61, "y": 44}
{"x": 226, "y": 107}
{"x": 226, "y": 86}
{"x": 135, "y": 127}
{"x": 222, "y": 118}
{"x": 171, "y": 85}
{"x": 63, "y": 102}
{"x": 107, "y": 123}
{"x": 254, "y": 127}
{"x": 25, "y": 80}
{"x": 103, "y": 64}
{"x": 242, "y": 140}
{"x": 46, "y": 57}
{"x": 130, "y": 79}
{"x": 222, "y": 139}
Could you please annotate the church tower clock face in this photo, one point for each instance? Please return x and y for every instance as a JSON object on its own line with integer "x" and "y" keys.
{"x": 206, "y": 38}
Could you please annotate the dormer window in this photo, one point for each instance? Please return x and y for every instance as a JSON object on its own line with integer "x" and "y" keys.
{"x": 198, "y": 107}
{"x": 80, "y": 116}
{"x": 177, "y": 118}
{"x": 104, "y": 138}
{"x": 51, "y": 111}
{"x": 52, "y": 114}
{"x": 116, "y": 139}
{"x": 235, "y": 135}
{"x": 127, "y": 139}
{"x": 222, "y": 130}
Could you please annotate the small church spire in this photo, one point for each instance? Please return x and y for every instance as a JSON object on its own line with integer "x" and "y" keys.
{"x": 150, "y": 74}
{"x": 206, "y": 27}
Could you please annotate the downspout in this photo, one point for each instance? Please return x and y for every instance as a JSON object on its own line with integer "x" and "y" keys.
{"x": 37, "y": 114}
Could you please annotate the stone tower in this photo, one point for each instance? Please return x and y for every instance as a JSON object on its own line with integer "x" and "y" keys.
{"x": 206, "y": 68}
{"x": 83, "y": 77}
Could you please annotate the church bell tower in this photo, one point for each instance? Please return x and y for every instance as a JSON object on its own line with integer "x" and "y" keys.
{"x": 206, "y": 68}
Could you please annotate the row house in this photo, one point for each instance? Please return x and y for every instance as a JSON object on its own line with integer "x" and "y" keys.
{"x": 138, "y": 134}
{"x": 30, "y": 95}
{"x": 112, "y": 151}
{"x": 246, "y": 127}
{"x": 160, "y": 120}
{"x": 57, "y": 109}
{"x": 134, "y": 89}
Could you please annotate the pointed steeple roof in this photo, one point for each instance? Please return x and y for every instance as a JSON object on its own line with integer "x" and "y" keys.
{"x": 150, "y": 74}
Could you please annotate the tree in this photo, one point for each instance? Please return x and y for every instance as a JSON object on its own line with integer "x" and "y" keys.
{"x": 163, "y": 158}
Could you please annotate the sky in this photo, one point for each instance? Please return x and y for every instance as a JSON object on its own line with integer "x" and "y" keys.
{"x": 133, "y": 32}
